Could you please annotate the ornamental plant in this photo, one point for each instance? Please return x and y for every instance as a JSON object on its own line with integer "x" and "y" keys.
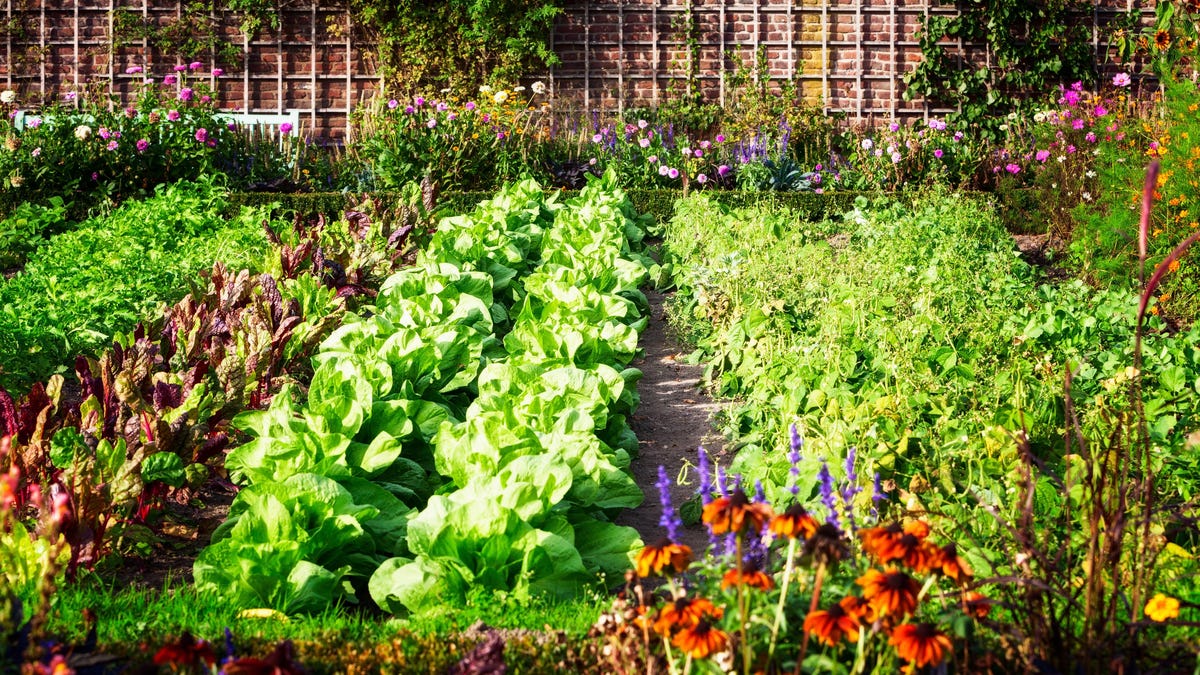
{"x": 782, "y": 588}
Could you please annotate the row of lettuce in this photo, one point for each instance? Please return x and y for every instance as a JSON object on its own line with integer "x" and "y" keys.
{"x": 467, "y": 432}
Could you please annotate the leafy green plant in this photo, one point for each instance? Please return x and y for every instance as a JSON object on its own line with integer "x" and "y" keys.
{"x": 28, "y": 226}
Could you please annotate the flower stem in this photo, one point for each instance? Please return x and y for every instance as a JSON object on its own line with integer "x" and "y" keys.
{"x": 812, "y": 607}
{"x": 783, "y": 591}
{"x": 742, "y": 608}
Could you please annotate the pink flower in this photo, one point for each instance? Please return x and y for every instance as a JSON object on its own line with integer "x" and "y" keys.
{"x": 37, "y": 152}
{"x": 469, "y": 106}
{"x": 173, "y": 116}
{"x": 442, "y": 107}
{"x": 1101, "y": 111}
{"x": 1070, "y": 149}
{"x": 420, "y": 101}
{"x": 431, "y": 123}
{"x": 104, "y": 133}
{"x": 673, "y": 173}
{"x": 185, "y": 94}
{"x": 1077, "y": 124}
{"x": 652, "y": 159}
{"x": 592, "y": 162}
{"x": 701, "y": 179}
{"x": 1013, "y": 169}
{"x": 393, "y": 104}
{"x": 451, "y": 116}
{"x": 112, "y": 145}
{"x": 285, "y": 128}
{"x": 195, "y": 65}
{"x": 142, "y": 144}
{"x": 133, "y": 70}
{"x": 202, "y": 134}
{"x": 723, "y": 170}
{"x": 1042, "y": 155}
{"x": 642, "y": 124}
{"x": 1121, "y": 80}
{"x": 644, "y": 142}
{"x": 663, "y": 169}
{"x": 894, "y": 126}
{"x": 720, "y": 138}
{"x": 698, "y": 153}
{"x": 206, "y": 99}
{"x": 938, "y": 153}
{"x": 33, "y": 123}
{"x": 500, "y": 135}
{"x": 217, "y": 72}
{"x": 180, "y": 69}
{"x": 597, "y": 138}
{"x": 1090, "y": 138}
{"x": 896, "y": 157}
{"x": 704, "y": 145}
{"x": 170, "y": 79}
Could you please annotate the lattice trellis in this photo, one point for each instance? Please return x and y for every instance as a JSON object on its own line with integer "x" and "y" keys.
{"x": 850, "y": 54}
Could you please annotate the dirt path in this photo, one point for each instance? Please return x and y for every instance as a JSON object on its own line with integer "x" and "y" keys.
{"x": 674, "y": 418}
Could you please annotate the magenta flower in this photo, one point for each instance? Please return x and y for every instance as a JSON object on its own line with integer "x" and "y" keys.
{"x": 938, "y": 153}
{"x": 701, "y": 179}
{"x": 720, "y": 138}
{"x": 202, "y": 134}
{"x": 1090, "y": 138}
{"x": 206, "y": 99}
{"x": 217, "y": 72}
{"x": 180, "y": 69}
{"x": 1042, "y": 155}
{"x": 1077, "y": 124}
{"x": 393, "y": 104}
{"x": 673, "y": 173}
{"x": 142, "y": 144}
{"x": 170, "y": 79}
{"x": 133, "y": 70}
{"x": 195, "y": 65}
{"x": 723, "y": 170}
{"x": 469, "y": 106}
{"x": 1101, "y": 111}
{"x": 103, "y": 133}
{"x": 112, "y": 145}
{"x": 1121, "y": 80}
{"x": 894, "y": 126}
{"x": 1013, "y": 169}
{"x": 1070, "y": 149}
{"x": 185, "y": 94}
{"x": 500, "y": 135}
{"x": 420, "y": 101}
{"x": 408, "y": 110}
{"x": 285, "y": 128}
{"x": 173, "y": 116}
{"x": 698, "y": 153}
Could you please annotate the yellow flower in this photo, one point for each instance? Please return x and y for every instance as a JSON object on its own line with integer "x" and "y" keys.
{"x": 1162, "y": 607}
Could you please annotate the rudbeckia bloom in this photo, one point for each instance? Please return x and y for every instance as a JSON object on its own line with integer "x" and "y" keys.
{"x": 654, "y": 559}
{"x": 685, "y": 613}
{"x": 750, "y": 575}
{"x": 827, "y": 545}
{"x": 976, "y": 605}
{"x": 701, "y": 640}
{"x": 1162, "y": 607}
{"x": 890, "y": 592}
{"x": 950, "y": 564}
{"x": 921, "y": 644}
{"x": 833, "y": 624}
{"x": 733, "y": 513}
{"x": 877, "y": 541}
{"x": 793, "y": 523}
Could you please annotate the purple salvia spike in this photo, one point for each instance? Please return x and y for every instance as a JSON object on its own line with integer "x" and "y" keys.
{"x": 669, "y": 518}
{"x": 828, "y": 493}
{"x": 794, "y": 459}
{"x": 704, "y": 468}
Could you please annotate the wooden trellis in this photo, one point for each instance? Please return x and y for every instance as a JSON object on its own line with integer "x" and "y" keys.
{"x": 849, "y": 54}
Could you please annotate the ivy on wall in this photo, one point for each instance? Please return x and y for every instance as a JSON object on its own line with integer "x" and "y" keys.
{"x": 1033, "y": 44}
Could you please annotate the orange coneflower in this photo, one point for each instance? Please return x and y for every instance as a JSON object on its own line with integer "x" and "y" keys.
{"x": 890, "y": 592}
{"x": 701, "y": 640}
{"x": 733, "y": 513}
{"x": 684, "y": 613}
{"x": 859, "y": 608}
{"x": 827, "y": 545}
{"x": 975, "y": 604}
{"x": 750, "y": 575}
{"x": 876, "y": 541}
{"x": 793, "y": 523}
{"x": 950, "y": 564}
{"x": 833, "y": 624}
{"x": 654, "y": 559}
{"x": 1162, "y": 39}
{"x": 921, "y": 644}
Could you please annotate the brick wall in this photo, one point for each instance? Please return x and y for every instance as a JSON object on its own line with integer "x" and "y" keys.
{"x": 851, "y": 54}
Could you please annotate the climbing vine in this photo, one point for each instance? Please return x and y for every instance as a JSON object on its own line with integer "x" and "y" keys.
{"x": 1032, "y": 44}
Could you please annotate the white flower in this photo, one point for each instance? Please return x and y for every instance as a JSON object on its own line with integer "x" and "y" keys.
{"x": 1061, "y": 158}
{"x": 500, "y": 97}
{"x": 1039, "y": 116}
{"x": 867, "y": 144}
{"x": 518, "y": 88}
{"x": 8, "y": 96}
{"x": 82, "y": 132}
{"x": 1090, "y": 174}
{"x": 1003, "y": 127}
{"x": 538, "y": 87}
{"x": 446, "y": 90}
{"x": 485, "y": 89}
{"x": 1087, "y": 196}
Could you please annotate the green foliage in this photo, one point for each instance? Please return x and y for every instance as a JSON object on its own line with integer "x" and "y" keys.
{"x": 85, "y": 286}
{"x": 1032, "y": 45}
{"x": 27, "y": 227}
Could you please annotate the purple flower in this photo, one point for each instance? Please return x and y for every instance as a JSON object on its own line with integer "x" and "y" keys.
{"x": 878, "y": 496}
{"x": 828, "y": 496}
{"x": 1121, "y": 80}
{"x": 173, "y": 115}
{"x": 442, "y": 107}
{"x": 195, "y": 65}
{"x": 133, "y": 70}
{"x": 938, "y": 153}
{"x": 720, "y": 138}
{"x": 1077, "y": 124}
{"x": 185, "y": 94}
{"x": 170, "y": 79}
{"x": 1042, "y": 155}
{"x": 451, "y": 116}
{"x": 232, "y": 126}
{"x": 958, "y": 136}
{"x": 1013, "y": 169}
{"x": 469, "y": 106}
{"x": 1090, "y": 138}
{"x": 673, "y": 173}
{"x": 202, "y": 134}
{"x": 1100, "y": 111}
{"x": 701, "y": 179}
{"x": 217, "y": 72}
{"x": 285, "y": 128}
{"x": 794, "y": 460}
{"x": 723, "y": 170}
{"x": 894, "y": 126}
{"x": 419, "y": 101}
{"x": 704, "y": 469}
{"x": 670, "y": 519}
{"x": 644, "y": 142}
{"x": 142, "y": 144}
{"x": 180, "y": 69}
{"x": 206, "y": 99}
{"x": 408, "y": 110}
{"x": 431, "y": 123}
{"x": 112, "y": 145}
{"x": 393, "y": 104}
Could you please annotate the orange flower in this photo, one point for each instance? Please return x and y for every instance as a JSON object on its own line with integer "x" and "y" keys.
{"x": 701, "y": 640}
{"x": 654, "y": 559}
{"x": 976, "y": 605}
{"x": 827, "y": 545}
{"x": 858, "y": 608}
{"x": 750, "y": 575}
{"x": 951, "y": 565}
{"x": 1162, "y": 607}
{"x": 890, "y": 592}
{"x": 733, "y": 513}
{"x": 795, "y": 522}
{"x": 833, "y": 624}
{"x": 1162, "y": 39}
{"x": 921, "y": 644}
{"x": 684, "y": 613}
